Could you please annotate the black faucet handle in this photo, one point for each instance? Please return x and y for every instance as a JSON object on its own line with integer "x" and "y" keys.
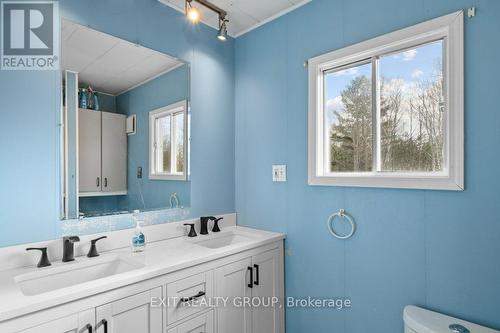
{"x": 216, "y": 225}
{"x": 44, "y": 259}
{"x": 93, "y": 248}
{"x": 192, "y": 232}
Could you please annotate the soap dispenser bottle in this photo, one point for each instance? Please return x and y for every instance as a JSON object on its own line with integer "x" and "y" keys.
{"x": 138, "y": 239}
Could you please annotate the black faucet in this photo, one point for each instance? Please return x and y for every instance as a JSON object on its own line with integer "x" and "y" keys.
{"x": 216, "y": 225}
{"x": 192, "y": 232}
{"x": 204, "y": 224}
{"x": 69, "y": 248}
{"x": 93, "y": 249}
{"x": 44, "y": 259}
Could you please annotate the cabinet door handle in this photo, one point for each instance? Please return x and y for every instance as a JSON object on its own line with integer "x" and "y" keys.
{"x": 256, "y": 282}
{"x": 106, "y": 182}
{"x": 89, "y": 328}
{"x": 189, "y": 299}
{"x": 98, "y": 182}
{"x": 104, "y": 323}
{"x": 250, "y": 285}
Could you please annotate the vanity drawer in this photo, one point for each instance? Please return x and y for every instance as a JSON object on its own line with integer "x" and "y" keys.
{"x": 198, "y": 288}
{"x": 201, "y": 324}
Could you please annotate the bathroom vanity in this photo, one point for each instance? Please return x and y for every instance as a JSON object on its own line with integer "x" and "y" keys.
{"x": 177, "y": 285}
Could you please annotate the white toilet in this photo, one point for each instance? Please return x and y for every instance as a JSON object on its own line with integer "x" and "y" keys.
{"x": 418, "y": 320}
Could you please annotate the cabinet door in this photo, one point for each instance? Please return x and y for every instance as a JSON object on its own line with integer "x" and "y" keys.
{"x": 200, "y": 324}
{"x": 266, "y": 285}
{"x": 78, "y": 323}
{"x": 232, "y": 281}
{"x": 133, "y": 314}
{"x": 114, "y": 152}
{"x": 89, "y": 151}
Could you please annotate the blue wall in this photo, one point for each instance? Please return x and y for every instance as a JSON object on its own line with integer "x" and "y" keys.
{"x": 431, "y": 248}
{"x": 167, "y": 89}
{"x": 107, "y": 102}
{"x": 30, "y": 104}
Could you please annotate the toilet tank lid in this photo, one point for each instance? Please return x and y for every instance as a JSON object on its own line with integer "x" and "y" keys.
{"x": 425, "y": 321}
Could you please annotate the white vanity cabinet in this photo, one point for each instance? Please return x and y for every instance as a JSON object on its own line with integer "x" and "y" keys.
{"x": 258, "y": 278}
{"x": 232, "y": 281}
{"x": 135, "y": 308}
{"x": 131, "y": 315}
{"x": 82, "y": 322}
{"x": 267, "y": 266}
{"x": 193, "y": 288}
{"x": 102, "y": 153}
{"x": 201, "y": 324}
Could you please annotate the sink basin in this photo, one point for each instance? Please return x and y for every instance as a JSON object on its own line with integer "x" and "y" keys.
{"x": 71, "y": 274}
{"x": 224, "y": 241}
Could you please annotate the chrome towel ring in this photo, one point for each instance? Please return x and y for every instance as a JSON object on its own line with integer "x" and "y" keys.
{"x": 341, "y": 214}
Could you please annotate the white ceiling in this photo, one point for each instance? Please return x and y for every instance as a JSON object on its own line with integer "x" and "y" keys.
{"x": 243, "y": 15}
{"x": 110, "y": 64}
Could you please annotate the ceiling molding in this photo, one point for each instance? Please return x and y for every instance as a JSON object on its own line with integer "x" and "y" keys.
{"x": 151, "y": 78}
{"x": 272, "y": 18}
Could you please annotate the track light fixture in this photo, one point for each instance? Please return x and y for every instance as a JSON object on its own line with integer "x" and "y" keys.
{"x": 194, "y": 15}
{"x": 222, "y": 34}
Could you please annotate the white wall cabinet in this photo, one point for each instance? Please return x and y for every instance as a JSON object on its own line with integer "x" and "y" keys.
{"x": 114, "y": 152}
{"x": 255, "y": 277}
{"x": 254, "y": 273}
{"x": 89, "y": 151}
{"x": 102, "y": 153}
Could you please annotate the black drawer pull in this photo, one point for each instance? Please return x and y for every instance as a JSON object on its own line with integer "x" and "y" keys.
{"x": 250, "y": 285}
{"x": 256, "y": 275}
{"x": 104, "y": 323}
{"x": 189, "y": 299}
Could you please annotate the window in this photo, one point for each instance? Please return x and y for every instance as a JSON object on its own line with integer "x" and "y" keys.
{"x": 388, "y": 112}
{"x": 167, "y": 142}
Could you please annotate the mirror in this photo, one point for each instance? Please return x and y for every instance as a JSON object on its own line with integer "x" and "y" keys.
{"x": 125, "y": 116}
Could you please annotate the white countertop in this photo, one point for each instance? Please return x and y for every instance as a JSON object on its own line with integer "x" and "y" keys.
{"x": 159, "y": 258}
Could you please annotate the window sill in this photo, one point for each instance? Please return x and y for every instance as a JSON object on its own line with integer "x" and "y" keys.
{"x": 181, "y": 177}
{"x": 390, "y": 181}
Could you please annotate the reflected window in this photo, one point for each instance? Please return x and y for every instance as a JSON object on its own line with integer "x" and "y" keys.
{"x": 168, "y": 142}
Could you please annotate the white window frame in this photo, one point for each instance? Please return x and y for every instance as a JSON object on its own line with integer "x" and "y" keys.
{"x": 173, "y": 109}
{"x": 448, "y": 28}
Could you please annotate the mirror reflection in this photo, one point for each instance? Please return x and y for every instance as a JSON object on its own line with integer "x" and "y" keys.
{"x": 125, "y": 143}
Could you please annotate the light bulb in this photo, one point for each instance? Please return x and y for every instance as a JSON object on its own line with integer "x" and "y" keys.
{"x": 193, "y": 14}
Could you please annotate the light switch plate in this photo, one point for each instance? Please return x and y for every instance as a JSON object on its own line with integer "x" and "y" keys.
{"x": 279, "y": 173}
